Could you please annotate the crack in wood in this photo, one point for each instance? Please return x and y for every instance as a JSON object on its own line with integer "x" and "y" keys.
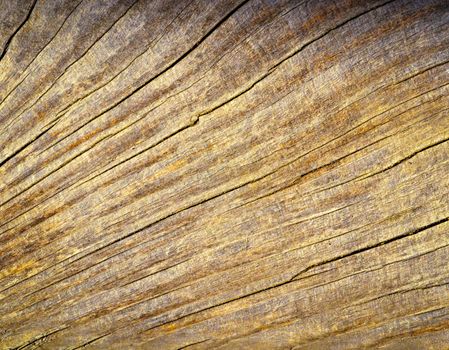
{"x": 8, "y": 42}
{"x": 196, "y": 174}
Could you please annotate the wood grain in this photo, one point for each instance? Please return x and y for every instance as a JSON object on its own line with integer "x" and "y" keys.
{"x": 226, "y": 174}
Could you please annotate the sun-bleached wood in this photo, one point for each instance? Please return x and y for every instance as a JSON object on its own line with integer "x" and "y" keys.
{"x": 224, "y": 174}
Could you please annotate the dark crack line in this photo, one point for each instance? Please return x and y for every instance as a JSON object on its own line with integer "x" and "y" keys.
{"x": 170, "y": 66}
{"x": 294, "y": 8}
{"x": 366, "y": 176}
{"x": 36, "y": 340}
{"x": 71, "y": 64}
{"x": 74, "y": 62}
{"x": 48, "y": 43}
{"x": 421, "y": 72}
{"x": 146, "y": 50}
{"x": 393, "y": 84}
{"x": 341, "y": 24}
{"x": 47, "y": 175}
{"x": 264, "y": 26}
{"x": 364, "y": 327}
{"x": 295, "y": 182}
{"x": 193, "y": 122}
{"x": 62, "y": 112}
{"x": 165, "y": 30}
{"x": 156, "y": 272}
{"x": 133, "y": 92}
{"x": 204, "y": 38}
{"x": 66, "y": 277}
{"x": 133, "y": 304}
{"x": 197, "y": 118}
{"x": 16, "y": 152}
{"x": 244, "y": 91}
{"x": 410, "y": 156}
{"x": 188, "y": 126}
{"x": 294, "y": 278}
{"x": 401, "y": 291}
{"x": 358, "y": 304}
{"x": 59, "y": 280}
{"x": 362, "y": 177}
{"x": 8, "y": 42}
{"x": 370, "y": 247}
{"x": 191, "y": 344}
{"x": 210, "y": 68}
{"x": 150, "y": 225}
{"x": 91, "y": 341}
{"x": 361, "y": 272}
{"x": 385, "y": 111}
{"x": 80, "y": 271}
{"x": 164, "y": 218}
{"x": 14, "y": 88}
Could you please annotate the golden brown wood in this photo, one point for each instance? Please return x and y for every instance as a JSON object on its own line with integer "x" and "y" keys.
{"x": 225, "y": 174}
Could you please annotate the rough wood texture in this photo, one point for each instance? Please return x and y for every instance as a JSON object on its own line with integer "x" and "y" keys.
{"x": 264, "y": 174}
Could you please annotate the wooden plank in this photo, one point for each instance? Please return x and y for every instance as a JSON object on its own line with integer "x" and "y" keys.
{"x": 224, "y": 174}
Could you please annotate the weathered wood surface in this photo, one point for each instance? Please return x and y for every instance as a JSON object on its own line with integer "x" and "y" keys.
{"x": 224, "y": 174}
